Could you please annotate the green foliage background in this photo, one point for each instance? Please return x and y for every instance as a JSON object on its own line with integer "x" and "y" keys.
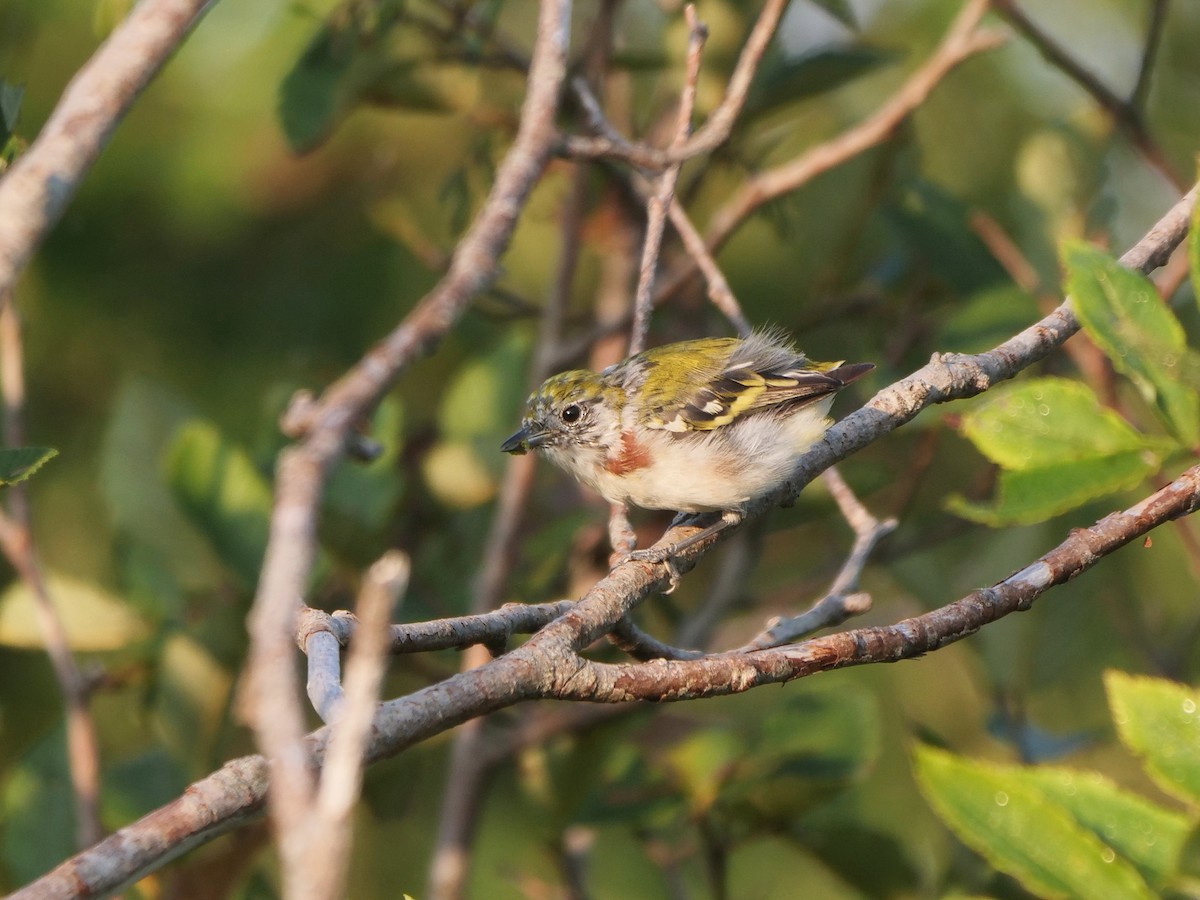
{"x": 205, "y": 271}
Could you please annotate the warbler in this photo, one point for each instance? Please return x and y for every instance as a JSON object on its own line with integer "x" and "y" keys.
{"x": 697, "y": 426}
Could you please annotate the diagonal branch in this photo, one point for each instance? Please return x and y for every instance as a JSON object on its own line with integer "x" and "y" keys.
{"x": 548, "y": 665}
{"x": 270, "y": 694}
{"x": 736, "y": 672}
{"x": 40, "y": 184}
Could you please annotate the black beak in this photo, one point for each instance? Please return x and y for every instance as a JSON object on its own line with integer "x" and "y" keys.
{"x": 523, "y": 441}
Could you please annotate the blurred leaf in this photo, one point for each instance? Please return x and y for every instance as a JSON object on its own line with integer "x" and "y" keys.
{"x": 1124, "y": 314}
{"x": 1058, "y": 449}
{"x": 1021, "y": 831}
{"x": 163, "y": 546}
{"x": 1159, "y": 720}
{"x": 11, "y": 96}
{"x": 1149, "y": 836}
{"x": 349, "y": 61}
{"x": 135, "y": 786}
{"x": 935, "y": 225}
{"x": 223, "y": 494}
{"x": 192, "y": 693}
{"x": 986, "y": 318}
{"x": 1188, "y": 872}
{"x": 840, "y": 10}
{"x": 367, "y": 493}
{"x": 809, "y": 749}
{"x": 18, "y": 463}
{"x": 37, "y": 808}
{"x": 94, "y": 619}
{"x": 313, "y": 94}
{"x": 844, "y": 847}
{"x": 785, "y": 80}
{"x": 703, "y": 762}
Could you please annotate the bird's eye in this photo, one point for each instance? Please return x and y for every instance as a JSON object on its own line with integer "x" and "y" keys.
{"x": 571, "y": 414}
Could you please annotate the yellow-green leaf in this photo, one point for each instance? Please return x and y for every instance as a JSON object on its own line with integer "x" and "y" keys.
{"x": 1122, "y": 312}
{"x": 93, "y": 618}
{"x": 18, "y": 463}
{"x": 1022, "y": 831}
{"x": 1160, "y": 721}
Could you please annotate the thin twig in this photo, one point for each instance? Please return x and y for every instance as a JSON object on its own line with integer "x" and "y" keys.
{"x": 1127, "y": 116}
{"x": 719, "y": 291}
{"x": 716, "y": 130}
{"x": 18, "y": 546}
{"x": 962, "y": 41}
{"x": 664, "y": 191}
{"x": 466, "y": 778}
{"x": 36, "y": 190}
{"x": 842, "y": 600}
{"x": 548, "y": 666}
{"x": 1154, "y": 33}
{"x": 328, "y": 828}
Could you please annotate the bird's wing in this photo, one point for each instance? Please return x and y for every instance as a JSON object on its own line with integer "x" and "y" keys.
{"x": 739, "y": 388}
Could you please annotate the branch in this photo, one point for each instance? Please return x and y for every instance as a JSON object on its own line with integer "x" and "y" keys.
{"x": 840, "y": 602}
{"x": 732, "y": 673}
{"x": 961, "y": 42}
{"x": 40, "y": 184}
{"x": 1126, "y": 115}
{"x": 715, "y": 131}
{"x": 269, "y": 698}
{"x": 547, "y": 665}
{"x": 946, "y": 377}
{"x": 18, "y": 546}
{"x": 327, "y": 829}
{"x": 663, "y": 196}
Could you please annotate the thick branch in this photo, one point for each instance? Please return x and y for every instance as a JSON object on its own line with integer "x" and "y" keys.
{"x": 732, "y": 673}
{"x": 548, "y": 665}
{"x": 37, "y": 189}
{"x": 270, "y": 699}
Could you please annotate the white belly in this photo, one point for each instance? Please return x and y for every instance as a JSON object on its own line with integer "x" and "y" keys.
{"x": 718, "y": 470}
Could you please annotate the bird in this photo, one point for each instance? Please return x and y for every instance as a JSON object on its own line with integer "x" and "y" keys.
{"x": 697, "y": 426}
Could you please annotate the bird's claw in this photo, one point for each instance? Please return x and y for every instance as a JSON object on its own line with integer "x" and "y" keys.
{"x": 656, "y": 556}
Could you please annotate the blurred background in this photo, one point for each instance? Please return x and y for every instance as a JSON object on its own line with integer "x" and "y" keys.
{"x": 293, "y": 183}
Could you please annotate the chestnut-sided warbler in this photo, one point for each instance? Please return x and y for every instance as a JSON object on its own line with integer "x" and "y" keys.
{"x": 698, "y": 426}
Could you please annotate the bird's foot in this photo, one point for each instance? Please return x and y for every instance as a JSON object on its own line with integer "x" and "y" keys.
{"x": 665, "y": 554}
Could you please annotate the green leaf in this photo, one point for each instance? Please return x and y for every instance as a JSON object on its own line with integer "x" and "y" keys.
{"x": 1123, "y": 313}
{"x": 11, "y": 96}
{"x": 1034, "y": 495}
{"x": 1160, "y": 721}
{"x": 18, "y": 463}
{"x": 37, "y": 808}
{"x": 94, "y": 619}
{"x": 1146, "y": 834}
{"x": 786, "y": 80}
{"x": 1045, "y": 421}
{"x": 366, "y": 493}
{"x": 223, "y": 494}
{"x": 1021, "y": 831}
{"x": 703, "y": 763}
{"x": 313, "y": 95}
{"x": 1058, "y": 448}
{"x": 840, "y": 10}
{"x": 807, "y": 750}
{"x": 1194, "y": 252}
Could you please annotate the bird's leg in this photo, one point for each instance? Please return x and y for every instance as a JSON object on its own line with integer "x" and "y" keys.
{"x": 664, "y": 554}
{"x": 621, "y": 536}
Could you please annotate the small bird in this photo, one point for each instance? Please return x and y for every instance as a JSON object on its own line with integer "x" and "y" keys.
{"x": 696, "y": 426}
